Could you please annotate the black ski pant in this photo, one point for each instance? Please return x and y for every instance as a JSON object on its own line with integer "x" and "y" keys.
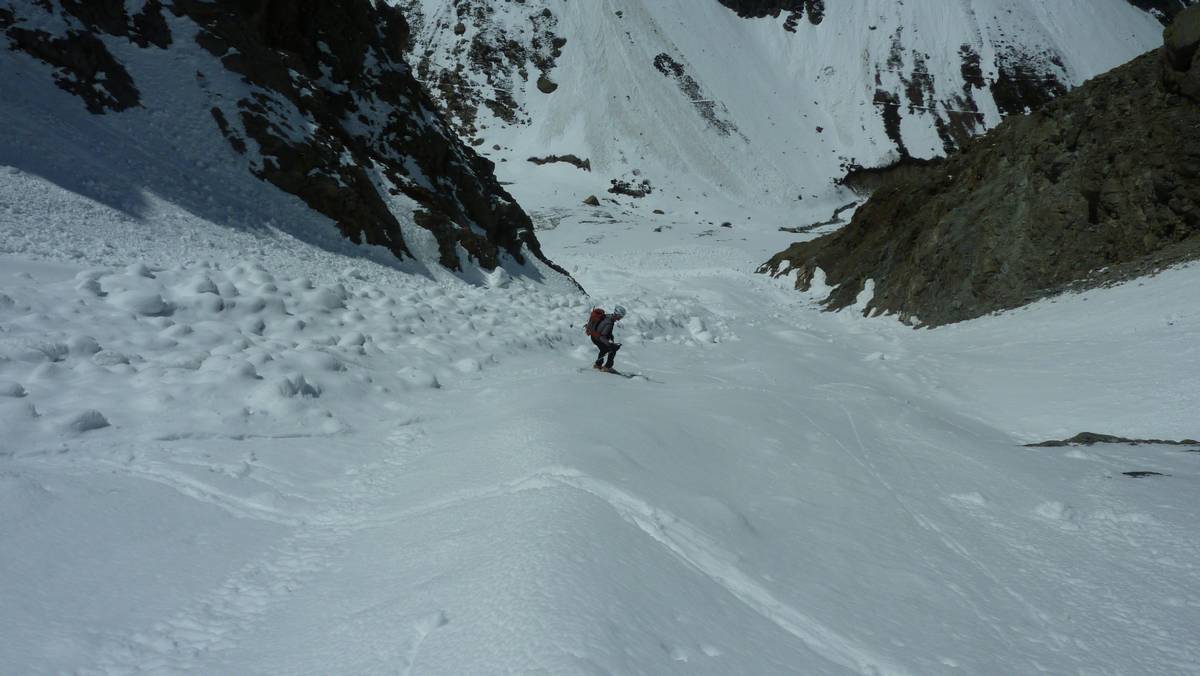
{"x": 610, "y": 350}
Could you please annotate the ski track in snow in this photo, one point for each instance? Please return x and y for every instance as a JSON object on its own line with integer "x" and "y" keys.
{"x": 219, "y": 619}
{"x": 695, "y": 549}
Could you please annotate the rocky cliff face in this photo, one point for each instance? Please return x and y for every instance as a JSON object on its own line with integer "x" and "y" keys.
{"x": 1101, "y": 185}
{"x": 316, "y": 96}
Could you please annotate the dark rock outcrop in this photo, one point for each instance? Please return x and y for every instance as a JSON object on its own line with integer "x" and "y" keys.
{"x": 332, "y": 113}
{"x": 636, "y": 189}
{"x": 574, "y": 160}
{"x": 1181, "y": 55}
{"x": 1090, "y": 438}
{"x": 1165, "y": 10}
{"x": 1101, "y": 185}
{"x": 796, "y": 9}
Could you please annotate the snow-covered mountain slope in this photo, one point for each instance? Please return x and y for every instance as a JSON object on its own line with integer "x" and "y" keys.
{"x": 273, "y": 463}
{"x": 234, "y": 442}
{"x": 741, "y": 114}
{"x": 252, "y": 116}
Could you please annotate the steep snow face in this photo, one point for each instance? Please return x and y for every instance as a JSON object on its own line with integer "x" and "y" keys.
{"x": 684, "y": 102}
{"x": 195, "y": 102}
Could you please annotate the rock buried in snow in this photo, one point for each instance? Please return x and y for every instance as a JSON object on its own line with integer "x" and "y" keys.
{"x": 592, "y": 201}
{"x": 11, "y": 389}
{"x": 1140, "y": 475}
{"x": 86, "y": 421}
{"x": 1089, "y": 438}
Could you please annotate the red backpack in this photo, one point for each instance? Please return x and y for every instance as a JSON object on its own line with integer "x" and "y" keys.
{"x": 593, "y": 321}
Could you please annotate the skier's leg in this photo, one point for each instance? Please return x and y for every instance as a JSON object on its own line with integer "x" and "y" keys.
{"x": 599, "y": 357}
{"x": 612, "y": 354}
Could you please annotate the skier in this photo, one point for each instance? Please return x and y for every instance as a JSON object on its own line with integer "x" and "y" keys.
{"x": 600, "y": 328}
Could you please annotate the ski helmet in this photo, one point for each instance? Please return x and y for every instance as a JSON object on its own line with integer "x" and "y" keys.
{"x": 619, "y": 311}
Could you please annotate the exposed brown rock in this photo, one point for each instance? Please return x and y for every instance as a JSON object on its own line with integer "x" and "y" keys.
{"x": 1181, "y": 54}
{"x": 363, "y": 47}
{"x": 1091, "y": 438}
{"x": 1101, "y": 185}
{"x": 574, "y": 160}
{"x": 545, "y": 85}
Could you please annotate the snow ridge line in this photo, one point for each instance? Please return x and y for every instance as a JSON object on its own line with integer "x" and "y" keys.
{"x": 156, "y": 472}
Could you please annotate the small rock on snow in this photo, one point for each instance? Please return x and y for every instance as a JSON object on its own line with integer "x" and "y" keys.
{"x": 88, "y": 420}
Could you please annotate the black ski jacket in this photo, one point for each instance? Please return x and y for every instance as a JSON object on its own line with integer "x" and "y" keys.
{"x": 604, "y": 330}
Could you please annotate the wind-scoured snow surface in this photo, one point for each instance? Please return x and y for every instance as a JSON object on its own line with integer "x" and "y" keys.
{"x": 729, "y": 115}
{"x": 260, "y": 457}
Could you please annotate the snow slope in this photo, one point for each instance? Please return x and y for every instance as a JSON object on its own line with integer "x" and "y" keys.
{"x": 756, "y": 117}
{"x": 231, "y": 442}
{"x": 256, "y": 462}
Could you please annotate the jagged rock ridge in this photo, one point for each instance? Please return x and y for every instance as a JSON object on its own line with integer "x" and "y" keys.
{"x": 333, "y": 114}
{"x": 1101, "y": 185}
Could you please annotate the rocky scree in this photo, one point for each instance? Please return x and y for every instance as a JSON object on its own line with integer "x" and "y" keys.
{"x": 1100, "y": 186}
{"x": 371, "y": 135}
{"x": 497, "y": 54}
